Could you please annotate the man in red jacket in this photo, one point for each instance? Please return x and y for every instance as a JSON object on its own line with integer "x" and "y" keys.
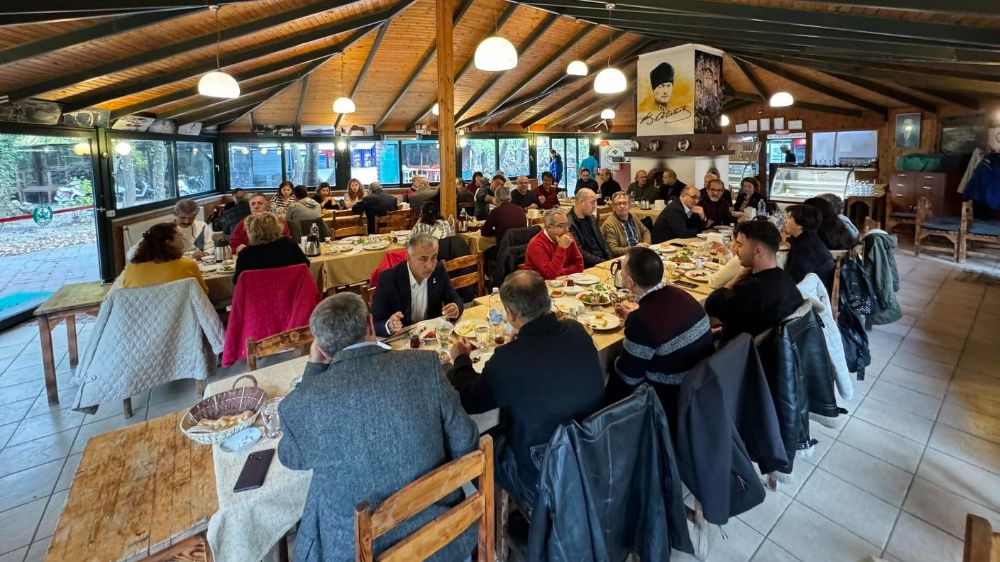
{"x": 553, "y": 251}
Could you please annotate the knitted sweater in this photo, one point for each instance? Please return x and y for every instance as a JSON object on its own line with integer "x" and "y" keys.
{"x": 547, "y": 258}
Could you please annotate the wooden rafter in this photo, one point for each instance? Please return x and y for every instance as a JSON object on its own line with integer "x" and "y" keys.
{"x": 234, "y": 104}
{"x": 803, "y": 80}
{"x": 302, "y": 99}
{"x": 364, "y": 68}
{"x": 203, "y": 103}
{"x": 837, "y": 110}
{"x": 887, "y": 91}
{"x": 755, "y": 81}
{"x": 614, "y": 104}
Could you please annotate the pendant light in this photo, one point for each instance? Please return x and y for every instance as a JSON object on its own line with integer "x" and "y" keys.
{"x": 577, "y": 68}
{"x": 218, "y": 84}
{"x": 610, "y": 80}
{"x": 782, "y": 99}
{"x": 436, "y": 110}
{"x": 343, "y": 104}
{"x": 608, "y": 114}
{"x": 495, "y": 53}
{"x": 724, "y": 120}
{"x": 123, "y": 148}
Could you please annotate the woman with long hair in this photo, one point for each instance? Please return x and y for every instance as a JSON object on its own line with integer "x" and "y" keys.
{"x": 284, "y": 198}
{"x": 431, "y": 223}
{"x": 831, "y": 230}
{"x": 355, "y": 193}
{"x": 159, "y": 258}
{"x": 806, "y": 252}
{"x": 750, "y": 194}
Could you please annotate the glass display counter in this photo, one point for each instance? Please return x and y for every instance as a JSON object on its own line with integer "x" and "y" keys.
{"x": 794, "y": 184}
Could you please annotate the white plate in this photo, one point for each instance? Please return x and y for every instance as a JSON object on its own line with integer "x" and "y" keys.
{"x": 395, "y": 233}
{"x": 567, "y": 306}
{"x": 666, "y": 249}
{"x": 713, "y": 266}
{"x": 209, "y": 267}
{"x": 376, "y": 246}
{"x": 703, "y": 235}
{"x": 601, "y": 320}
{"x": 685, "y": 266}
{"x": 467, "y": 328}
{"x": 599, "y": 299}
{"x": 429, "y": 325}
{"x": 242, "y": 440}
{"x": 227, "y": 269}
{"x": 343, "y": 247}
{"x": 584, "y": 279}
{"x": 574, "y": 290}
{"x": 699, "y": 275}
{"x": 350, "y": 239}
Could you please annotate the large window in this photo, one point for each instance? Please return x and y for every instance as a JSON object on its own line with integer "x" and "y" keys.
{"x": 423, "y": 158}
{"x": 309, "y": 163}
{"x": 514, "y": 157}
{"x": 375, "y": 161}
{"x": 844, "y": 148}
{"x": 143, "y": 172}
{"x": 572, "y": 165}
{"x": 195, "y": 168}
{"x": 479, "y": 155}
{"x": 542, "y": 157}
{"x": 254, "y": 165}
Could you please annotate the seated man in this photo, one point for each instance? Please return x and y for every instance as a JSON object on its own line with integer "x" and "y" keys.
{"x": 197, "y": 234}
{"x": 666, "y": 333}
{"x": 622, "y": 230}
{"x": 553, "y": 252}
{"x": 376, "y": 204}
{"x": 535, "y": 387}
{"x": 584, "y": 181}
{"x": 504, "y": 217}
{"x": 670, "y": 187}
{"x": 583, "y": 227}
{"x": 681, "y": 218}
{"x": 642, "y": 189}
{"x": 523, "y": 196}
{"x": 235, "y": 211}
{"x": 486, "y": 196}
{"x": 240, "y": 239}
{"x": 763, "y": 294}
{"x": 546, "y": 192}
{"x": 715, "y": 205}
{"x": 414, "y": 290}
{"x": 367, "y": 421}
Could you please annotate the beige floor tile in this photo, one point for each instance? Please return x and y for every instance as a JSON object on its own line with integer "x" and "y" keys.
{"x": 849, "y": 506}
{"x": 889, "y": 416}
{"x": 770, "y": 552}
{"x": 763, "y": 517}
{"x": 971, "y": 362}
{"x": 52, "y": 512}
{"x": 882, "y": 444}
{"x": 68, "y": 472}
{"x": 16, "y": 458}
{"x": 20, "y": 392}
{"x": 923, "y": 384}
{"x": 738, "y": 544}
{"x": 966, "y": 480}
{"x": 869, "y": 473}
{"x": 969, "y": 448}
{"x": 810, "y": 536}
{"x": 915, "y": 541}
{"x": 922, "y": 365}
{"x": 905, "y": 399}
{"x": 944, "y": 509}
{"x": 17, "y": 526}
{"x": 936, "y": 338}
{"x": 970, "y": 421}
{"x": 931, "y": 351}
{"x": 945, "y": 325}
{"x": 801, "y": 470}
{"x": 861, "y": 390}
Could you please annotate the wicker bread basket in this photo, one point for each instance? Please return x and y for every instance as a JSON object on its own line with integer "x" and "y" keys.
{"x": 224, "y": 404}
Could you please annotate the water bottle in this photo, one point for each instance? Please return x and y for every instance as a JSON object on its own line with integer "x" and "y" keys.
{"x": 463, "y": 221}
{"x": 761, "y": 208}
{"x": 496, "y": 314}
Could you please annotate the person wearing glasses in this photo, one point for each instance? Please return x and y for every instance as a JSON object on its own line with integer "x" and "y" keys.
{"x": 622, "y": 230}
{"x": 712, "y": 200}
{"x": 681, "y": 218}
{"x": 553, "y": 251}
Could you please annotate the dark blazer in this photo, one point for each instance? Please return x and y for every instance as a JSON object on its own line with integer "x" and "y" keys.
{"x": 392, "y": 295}
{"x": 280, "y": 253}
{"x": 418, "y": 199}
{"x": 670, "y": 192}
{"x": 588, "y": 238}
{"x": 366, "y": 425}
{"x": 673, "y": 222}
{"x": 808, "y": 254}
{"x": 374, "y": 205}
{"x": 537, "y": 385}
{"x": 609, "y": 188}
{"x": 503, "y": 218}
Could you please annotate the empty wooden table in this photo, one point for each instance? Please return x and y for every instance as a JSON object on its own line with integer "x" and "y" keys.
{"x": 138, "y": 491}
{"x": 65, "y": 304}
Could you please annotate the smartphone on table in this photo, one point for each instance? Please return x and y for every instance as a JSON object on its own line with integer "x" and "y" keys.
{"x": 254, "y": 470}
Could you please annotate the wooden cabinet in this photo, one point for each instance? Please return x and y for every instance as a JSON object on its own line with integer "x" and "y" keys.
{"x": 906, "y": 188}
{"x": 902, "y": 194}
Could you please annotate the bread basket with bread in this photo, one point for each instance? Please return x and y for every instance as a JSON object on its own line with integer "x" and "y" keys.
{"x": 217, "y": 417}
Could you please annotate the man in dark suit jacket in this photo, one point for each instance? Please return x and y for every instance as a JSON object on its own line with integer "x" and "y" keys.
{"x": 535, "y": 380}
{"x": 367, "y": 421}
{"x": 682, "y": 218}
{"x": 585, "y": 230}
{"x": 506, "y": 216}
{"x": 414, "y": 290}
{"x": 376, "y": 204}
{"x": 422, "y": 196}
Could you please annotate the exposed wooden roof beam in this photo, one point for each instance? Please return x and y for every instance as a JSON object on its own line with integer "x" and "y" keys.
{"x": 96, "y": 31}
{"x": 234, "y": 104}
{"x": 536, "y": 34}
{"x": 203, "y": 103}
{"x": 803, "y": 80}
{"x": 887, "y": 91}
{"x": 754, "y": 98}
{"x": 364, "y": 68}
{"x": 952, "y": 97}
{"x": 755, "y": 81}
{"x": 302, "y": 99}
{"x": 10, "y": 20}
{"x": 426, "y": 60}
{"x": 65, "y": 80}
{"x": 56, "y": 7}
{"x": 974, "y": 7}
{"x": 613, "y": 104}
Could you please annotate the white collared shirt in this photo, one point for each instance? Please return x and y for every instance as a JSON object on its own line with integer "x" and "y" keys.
{"x": 418, "y": 297}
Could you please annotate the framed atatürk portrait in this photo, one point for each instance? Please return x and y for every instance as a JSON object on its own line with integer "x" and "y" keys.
{"x": 907, "y": 130}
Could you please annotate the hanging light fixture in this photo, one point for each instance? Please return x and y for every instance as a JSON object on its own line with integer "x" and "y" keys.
{"x": 218, "y": 84}
{"x": 608, "y": 114}
{"x": 81, "y": 148}
{"x": 436, "y": 110}
{"x": 343, "y": 104}
{"x": 782, "y": 99}
{"x": 577, "y": 68}
{"x": 724, "y": 120}
{"x": 495, "y": 53}
{"x": 610, "y": 80}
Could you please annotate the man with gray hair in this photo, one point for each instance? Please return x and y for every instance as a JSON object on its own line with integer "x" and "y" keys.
{"x": 414, "y": 290}
{"x": 536, "y": 387}
{"x": 197, "y": 234}
{"x": 504, "y": 217}
{"x": 358, "y": 401}
{"x": 553, "y": 251}
{"x": 376, "y": 204}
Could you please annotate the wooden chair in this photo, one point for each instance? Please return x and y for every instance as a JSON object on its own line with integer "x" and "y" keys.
{"x": 369, "y": 296}
{"x": 396, "y": 220}
{"x": 603, "y": 213}
{"x": 478, "y": 278}
{"x": 344, "y": 219}
{"x": 838, "y": 258}
{"x": 349, "y": 231}
{"x": 986, "y": 232}
{"x": 981, "y": 543}
{"x": 897, "y": 213}
{"x": 296, "y": 338}
{"x": 537, "y": 220}
{"x": 192, "y": 549}
{"x": 929, "y": 225}
{"x": 415, "y": 497}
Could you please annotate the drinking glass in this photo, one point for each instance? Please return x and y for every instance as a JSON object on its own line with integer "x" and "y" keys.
{"x": 483, "y": 336}
{"x": 444, "y": 335}
{"x": 272, "y": 423}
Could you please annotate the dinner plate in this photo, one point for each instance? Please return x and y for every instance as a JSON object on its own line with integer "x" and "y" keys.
{"x": 343, "y": 247}
{"x": 584, "y": 279}
{"x": 713, "y": 266}
{"x": 227, "y": 269}
{"x": 467, "y": 328}
{"x": 601, "y": 321}
{"x": 396, "y": 233}
{"x": 666, "y": 250}
{"x": 376, "y": 246}
{"x": 241, "y": 440}
{"x": 208, "y": 267}
{"x": 699, "y": 275}
{"x": 567, "y": 306}
{"x": 350, "y": 239}
{"x": 594, "y": 299}
{"x": 685, "y": 266}
{"x": 574, "y": 290}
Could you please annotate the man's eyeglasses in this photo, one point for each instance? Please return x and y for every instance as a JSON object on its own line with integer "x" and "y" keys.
{"x": 561, "y": 225}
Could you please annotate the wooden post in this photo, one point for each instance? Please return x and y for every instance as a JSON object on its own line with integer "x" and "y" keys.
{"x": 446, "y": 104}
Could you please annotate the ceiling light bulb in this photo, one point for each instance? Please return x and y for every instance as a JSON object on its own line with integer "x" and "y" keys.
{"x": 263, "y": 152}
{"x": 597, "y": 141}
{"x": 436, "y": 110}
{"x": 462, "y": 142}
{"x": 608, "y": 114}
{"x": 218, "y": 84}
{"x": 577, "y": 68}
{"x": 610, "y": 81}
{"x": 123, "y": 148}
{"x": 495, "y": 54}
{"x": 81, "y": 148}
{"x": 724, "y": 120}
{"x": 341, "y": 144}
{"x": 344, "y": 105}
{"x": 782, "y": 99}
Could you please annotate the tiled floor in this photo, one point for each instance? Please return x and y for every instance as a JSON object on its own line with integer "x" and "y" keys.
{"x": 895, "y": 478}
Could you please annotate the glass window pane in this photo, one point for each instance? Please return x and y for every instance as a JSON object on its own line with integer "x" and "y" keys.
{"x": 423, "y": 158}
{"x": 856, "y": 148}
{"x": 559, "y": 145}
{"x": 514, "y": 157}
{"x": 144, "y": 172}
{"x": 195, "y": 168}
{"x": 583, "y": 149}
{"x": 541, "y": 156}
{"x": 822, "y": 149}
{"x": 309, "y": 163}
{"x": 572, "y": 165}
{"x": 479, "y": 155}
{"x": 254, "y": 165}
{"x": 375, "y": 161}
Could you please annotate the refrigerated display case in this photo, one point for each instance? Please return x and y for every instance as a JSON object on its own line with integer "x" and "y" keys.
{"x": 795, "y": 184}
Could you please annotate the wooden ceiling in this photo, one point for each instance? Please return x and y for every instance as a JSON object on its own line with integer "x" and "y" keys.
{"x": 294, "y": 57}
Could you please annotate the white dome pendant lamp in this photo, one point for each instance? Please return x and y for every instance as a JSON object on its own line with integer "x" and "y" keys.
{"x": 343, "y": 104}
{"x": 781, "y": 99}
{"x": 608, "y": 114}
{"x": 495, "y": 53}
{"x": 577, "y": 68}
{"x": 610, "y": 80}
{"x": 218, "y": 84}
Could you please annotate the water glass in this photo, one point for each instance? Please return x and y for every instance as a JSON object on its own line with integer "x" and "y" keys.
{"x": 444, "y": 335}
{"x": 272, "y": 423}
{"x": 483, "y": 336}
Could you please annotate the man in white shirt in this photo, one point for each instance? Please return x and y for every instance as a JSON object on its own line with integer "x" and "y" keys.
{"x": 197, "y": 234}
{"x": 414, "y": 290}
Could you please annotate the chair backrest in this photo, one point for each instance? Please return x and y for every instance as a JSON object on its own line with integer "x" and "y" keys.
{"x": 296, "y": 338}
{"x": 395, "y": 220}
{"x": 603, "y": 214}
{"x": 982, "y": 544}
{"x": 923, "y": 210}
{"x": 350, "y": 231}
{"x": 469, "y": 279}
{"x": 413, "y": 498}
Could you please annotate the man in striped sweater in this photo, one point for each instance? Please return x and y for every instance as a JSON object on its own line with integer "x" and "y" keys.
{"x": 666, "y": 333}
